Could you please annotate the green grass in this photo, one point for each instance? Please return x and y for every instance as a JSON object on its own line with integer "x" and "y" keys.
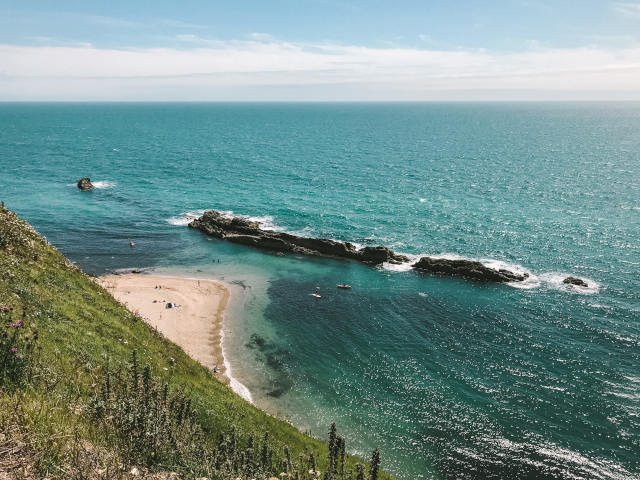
{"x": 84, "y": 332}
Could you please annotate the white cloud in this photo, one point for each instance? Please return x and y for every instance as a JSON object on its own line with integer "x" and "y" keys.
{"x": 260, "y": 36}
{"x": 628, "y": 9}
{"x": 272, "y": 70}
{"x": 188, "y": 37}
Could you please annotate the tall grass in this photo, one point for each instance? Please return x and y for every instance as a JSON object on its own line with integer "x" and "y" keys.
{"x": 75, "y": 401}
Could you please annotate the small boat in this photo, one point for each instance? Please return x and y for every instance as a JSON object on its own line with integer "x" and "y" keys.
{"x": 316, "y": 295}
{"x": 346, "y": 287}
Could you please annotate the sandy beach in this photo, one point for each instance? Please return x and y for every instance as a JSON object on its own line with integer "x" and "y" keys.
{"x": 194, "y": 321}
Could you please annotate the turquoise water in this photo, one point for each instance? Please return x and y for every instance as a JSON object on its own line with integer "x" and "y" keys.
{"x": 450, "y": 379}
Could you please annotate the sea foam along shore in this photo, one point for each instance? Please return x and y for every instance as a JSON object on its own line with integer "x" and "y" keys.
{"x": 188, "y": 322}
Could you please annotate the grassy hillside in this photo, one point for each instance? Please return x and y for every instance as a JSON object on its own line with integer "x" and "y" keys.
{"x": 77, "y": 402}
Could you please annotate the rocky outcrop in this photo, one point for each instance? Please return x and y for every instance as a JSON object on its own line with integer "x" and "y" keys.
{"x": 240, "y": 230}
{"x": 471, "y": 269}
{"x": 85, "y": 184}
{"x": 576, "y": 282}
{"x": 380, "y": 254}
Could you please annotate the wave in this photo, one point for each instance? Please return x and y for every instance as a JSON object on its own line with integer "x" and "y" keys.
{"x": 234, "y": 383}
{"x": 97, "y": 184}
{"x": 555, "y": 280}
{"x": 103, "y": 184}
{"x": 184, "y": 219}
{"x": 266, "y": 221}
{"x": 551, "y": 280}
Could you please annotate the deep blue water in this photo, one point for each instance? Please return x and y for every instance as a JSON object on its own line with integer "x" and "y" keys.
{"x": 449, "y": 378}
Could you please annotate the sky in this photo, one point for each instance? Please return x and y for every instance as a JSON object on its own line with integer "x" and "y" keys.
{"x": 319, "y": 50}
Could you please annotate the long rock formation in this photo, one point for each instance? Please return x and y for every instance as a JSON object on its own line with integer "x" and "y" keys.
{"x": 240, "y": 230}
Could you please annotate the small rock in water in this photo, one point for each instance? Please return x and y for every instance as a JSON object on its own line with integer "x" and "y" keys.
{"x": 85, "y": 184}
{"x": 578, "y": 282}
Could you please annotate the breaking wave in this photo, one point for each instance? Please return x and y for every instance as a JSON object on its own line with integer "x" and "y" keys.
{"x": 184, "y": 219}
{"x": 551, "y": 280}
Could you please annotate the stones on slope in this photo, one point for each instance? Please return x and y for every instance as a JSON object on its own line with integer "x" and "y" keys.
{"x": 246, "y": 232}
{"x": 576, "y": 282}
{"x": 471, "y": 269}
{"x": 85, "y": 184}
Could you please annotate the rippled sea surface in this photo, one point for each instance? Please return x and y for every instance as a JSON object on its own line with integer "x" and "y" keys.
{"x": 449, "y": 378}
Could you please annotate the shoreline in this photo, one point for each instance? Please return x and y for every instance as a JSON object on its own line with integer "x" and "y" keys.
{"x": 190, "y": 323}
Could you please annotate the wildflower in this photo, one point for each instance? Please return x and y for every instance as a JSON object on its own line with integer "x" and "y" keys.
{"x": 18, "y": 356}
{"x": 13, "y": 350}
{"x": 4, "y": 309}
{"x": 17, "y": 324}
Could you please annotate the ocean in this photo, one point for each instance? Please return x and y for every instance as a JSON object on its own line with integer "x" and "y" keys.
{"x": 448, "y": 377}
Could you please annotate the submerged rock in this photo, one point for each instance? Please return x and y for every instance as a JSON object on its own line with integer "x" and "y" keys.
{"x": 467, "y": 268}
{"x": 85, "y": 184}
{"x": 577, "y": 282}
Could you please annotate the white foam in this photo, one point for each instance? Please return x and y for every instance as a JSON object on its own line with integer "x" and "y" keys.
{"x": 532, "y": 281}
{"x": 266, "y": 221}
{"x": 555, "y": 281}
{"x": 401, "y": 267}
{"x": 103, "y": 184}
{"x": 551, "y": 280}
{"x": 96, "y": 184}
{"x": 234, "y": 383}
{"x": 184, "y": 219}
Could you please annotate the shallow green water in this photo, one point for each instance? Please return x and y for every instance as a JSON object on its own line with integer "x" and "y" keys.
{"x": 451, "y": 379}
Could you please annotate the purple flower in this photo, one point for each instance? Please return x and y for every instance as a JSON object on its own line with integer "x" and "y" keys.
{"x": 4, "y": 309}
{"x": 17, "y": 324}
{"x": 13, "y": 350}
